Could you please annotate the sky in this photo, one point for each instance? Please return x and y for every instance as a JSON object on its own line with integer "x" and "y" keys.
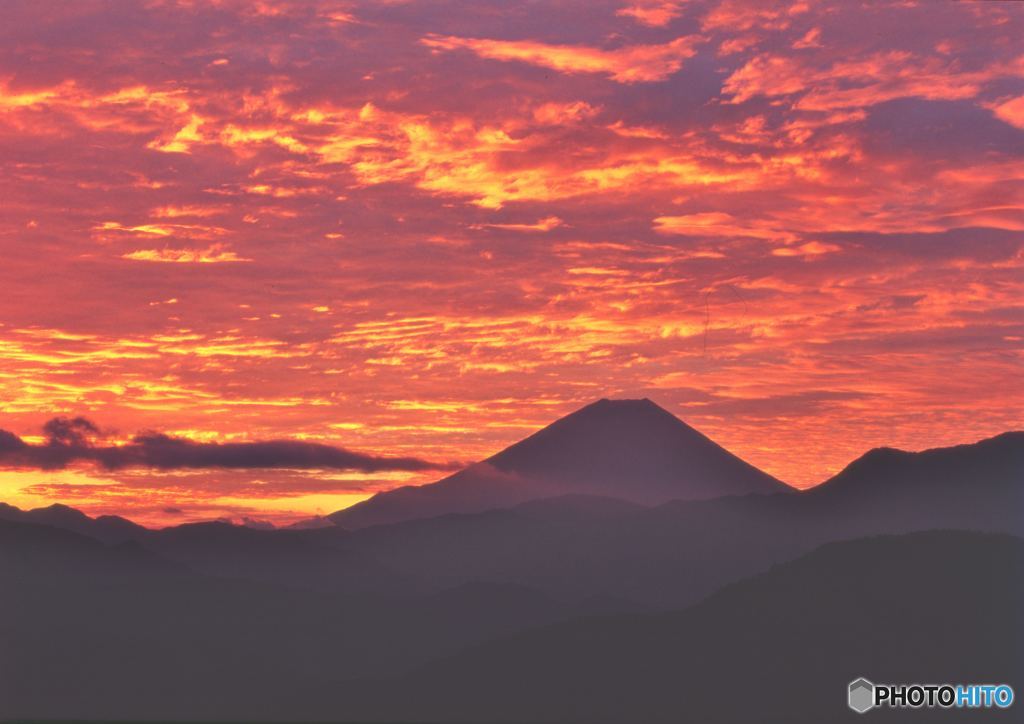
{"x": 263, "y": 259}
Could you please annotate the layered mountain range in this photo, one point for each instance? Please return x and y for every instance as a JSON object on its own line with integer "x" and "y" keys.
{"x": 591, "y": 572}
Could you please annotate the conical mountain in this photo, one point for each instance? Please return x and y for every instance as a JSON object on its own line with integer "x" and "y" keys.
{"x": 628, "y": 449}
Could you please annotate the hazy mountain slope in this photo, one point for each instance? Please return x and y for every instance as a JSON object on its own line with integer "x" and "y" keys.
{"x": 89, "y": 631}
{"x": 314, "y": 559}
{"x": 927, "y": 607}
{"x": 671, "y": 554}
{"x": 629, "y": 449}
{"x": 27, "y": 550}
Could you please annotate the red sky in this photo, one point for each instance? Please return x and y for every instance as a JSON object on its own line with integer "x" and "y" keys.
{"x": 426, "y": 229}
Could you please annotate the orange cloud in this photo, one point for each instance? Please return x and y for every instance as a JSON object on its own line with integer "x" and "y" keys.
{"x": 741, "y": 16}
{"x": 629, "y": 64}
{"x": 215, "y": 254}
{"x": 175, "y": 212}
{"x": 181, "y": 140}
{"x": 811, "y": 248}
{"x": 654, "y": 13}
{"x": 810, "y": 39}
{"x": 457, "y": 156}
{"x": 859, "y": 82}
{"x": 191, "y": 231}
{"x": 717, "y": 224}
{"x": 546, "y": 224}
{"x": 564, "y": 113}
{"x": 1011, "y": 111}
{"x": 10, "y": 100}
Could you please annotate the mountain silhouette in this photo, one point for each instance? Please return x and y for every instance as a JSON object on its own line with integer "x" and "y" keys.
{"x": 672, "y": 554}
{"x": 628, "y": 449}
{"x": 580, "y": 547}
{"x": 998, "y": 459}
{"x": 782, "y": 646}
{"x": 30, "y": 551}
{"x": 107, "y": 528}
{"x": 978, "y": 486}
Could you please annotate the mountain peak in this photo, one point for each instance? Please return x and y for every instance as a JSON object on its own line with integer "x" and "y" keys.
{"x": 613, "y": 407}
{"x": 59, "y": 512}
{"x": 623, "y": 402}
{"x": 624, "y": 410}
{"x": 631, "y": 449}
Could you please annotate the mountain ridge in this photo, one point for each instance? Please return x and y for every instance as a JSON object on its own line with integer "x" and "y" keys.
{"x": 963, "y": 461}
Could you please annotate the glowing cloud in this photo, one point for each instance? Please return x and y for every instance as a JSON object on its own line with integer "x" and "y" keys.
{"x": 628, "y": 64}
{"x": 545, "y": 224}
{"x": 215, "y": 254}
{"x": 716, "y": 224}
{"x": 654, "y": 13}
{"x": 1011, "y": 111}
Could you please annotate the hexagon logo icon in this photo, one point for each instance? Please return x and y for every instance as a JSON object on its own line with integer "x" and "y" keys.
{"x": 861, "y": 695}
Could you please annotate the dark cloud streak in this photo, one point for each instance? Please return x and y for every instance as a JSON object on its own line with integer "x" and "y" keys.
{"x": 71, "y": 440}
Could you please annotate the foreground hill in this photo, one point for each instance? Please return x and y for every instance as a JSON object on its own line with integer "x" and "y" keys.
{"x": 91, "y": 631}
{"x": 928, "y": 607}
{"x": 628, "y": 449}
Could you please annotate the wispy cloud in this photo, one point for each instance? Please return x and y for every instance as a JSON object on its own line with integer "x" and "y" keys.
{"x": 215, "y": 254}
{"x": 627, "y": 64}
